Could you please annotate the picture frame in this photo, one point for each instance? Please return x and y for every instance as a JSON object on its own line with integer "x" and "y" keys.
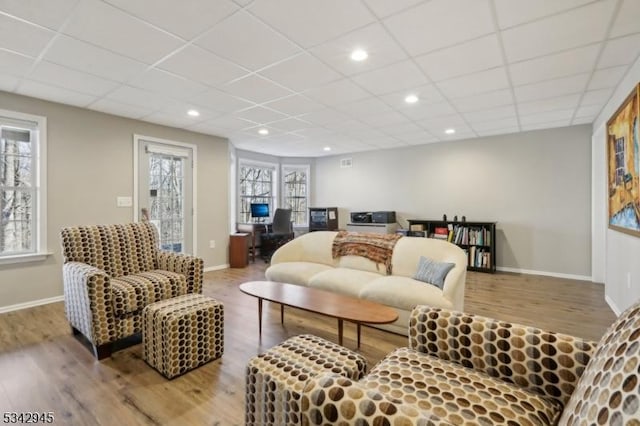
{"x": 623, "y": 166}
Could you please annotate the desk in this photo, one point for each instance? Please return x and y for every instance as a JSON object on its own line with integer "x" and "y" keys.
{"x": 255, "y": 230}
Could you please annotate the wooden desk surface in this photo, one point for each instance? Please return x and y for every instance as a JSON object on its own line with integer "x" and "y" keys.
{"x": 322, "y": 302}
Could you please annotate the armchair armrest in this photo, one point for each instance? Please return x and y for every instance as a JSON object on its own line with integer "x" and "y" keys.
{"x": 331, "y": 399}
{"x": 189, "y": 266}
{"x": 545, "y": 362}
{"x": 89, "y": 302}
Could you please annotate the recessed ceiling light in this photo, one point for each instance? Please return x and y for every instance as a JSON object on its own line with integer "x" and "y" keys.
{"x": 327, "y": 148}
{"x": 411, "y": 99}
{"x": 193, "y": 113}
{"x": 263, "y": 131}
{"x": 450, "y": 131}
{"x": 359, "y": 55}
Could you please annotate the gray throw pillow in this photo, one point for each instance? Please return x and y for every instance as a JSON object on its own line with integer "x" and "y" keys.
{"x": 433, "y": 272}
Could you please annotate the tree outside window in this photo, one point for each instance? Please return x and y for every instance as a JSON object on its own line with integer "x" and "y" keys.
{"x": 256, "y": 186}
{"x": 295, "y": 193}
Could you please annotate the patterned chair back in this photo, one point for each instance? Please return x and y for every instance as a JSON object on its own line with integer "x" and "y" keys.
{"x": 608, "y": 392}
{"x": 118, "y": 250}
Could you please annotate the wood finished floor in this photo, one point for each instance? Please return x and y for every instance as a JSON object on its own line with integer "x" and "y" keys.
{"x": 43, "y": 368}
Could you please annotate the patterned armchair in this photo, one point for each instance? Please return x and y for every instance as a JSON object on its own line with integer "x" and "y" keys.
{"x": 465, "y": 369}
{"x": 111, "y": 272}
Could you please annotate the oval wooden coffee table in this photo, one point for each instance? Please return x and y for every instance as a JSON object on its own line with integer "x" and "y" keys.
{"x": 339, "y": 306}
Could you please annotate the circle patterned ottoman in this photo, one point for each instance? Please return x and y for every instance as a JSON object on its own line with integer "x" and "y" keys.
{"x": 182, "y": 333}
{"x": 275, "y": 379}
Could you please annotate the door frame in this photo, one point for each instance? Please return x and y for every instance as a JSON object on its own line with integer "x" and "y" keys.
{"x": 137, "y": 139}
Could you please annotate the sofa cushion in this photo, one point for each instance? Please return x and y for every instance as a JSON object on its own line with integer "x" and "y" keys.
{"x": 133, "y": 292}
{"x": 361, "y": 263}
{"x": 433, "y": 272}
{"x": 457, "y": 394}
{"x": 403, "y": 293}
{"x": 343, "y": 280}
{"x": 299, "y": 273}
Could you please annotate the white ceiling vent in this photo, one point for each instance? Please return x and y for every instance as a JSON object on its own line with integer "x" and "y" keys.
{"x": 346, "y": 163}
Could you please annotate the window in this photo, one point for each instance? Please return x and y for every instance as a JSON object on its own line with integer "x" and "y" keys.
{"x": 256, "y": 186}
{"x": 296, "y": 192}
{"x": 22, "y": 189}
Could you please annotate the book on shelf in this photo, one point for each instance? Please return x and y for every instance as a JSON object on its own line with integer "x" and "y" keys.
{"x": 417, "y": 227}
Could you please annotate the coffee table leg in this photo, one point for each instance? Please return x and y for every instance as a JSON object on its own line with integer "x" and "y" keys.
{"x": 282, "y": 314}
{"x": 340, "y": 331}
{"x": 358, "y": 326}
{"x": 260, "y": 316}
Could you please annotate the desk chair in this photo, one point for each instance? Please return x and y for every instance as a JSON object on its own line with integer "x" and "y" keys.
{"x": 280, "y": 232}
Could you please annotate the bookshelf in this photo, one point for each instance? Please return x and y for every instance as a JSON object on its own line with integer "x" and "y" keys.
{"x": 477, "y": 239}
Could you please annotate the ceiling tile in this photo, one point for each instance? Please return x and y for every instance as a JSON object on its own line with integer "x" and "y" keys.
{"x": 260, "y": 115}
{"x": 495, "y": 132}
{"x": 503, "y": 123}
{"x": 202, "y": 66}
{"x": 402, "y": 128}
{"x": 581, "y": 120}
{"x": 337, "y": 92}
{"x": 374, "y": 39}
{"x": 167, "y": 119}
{"x": 364, "y": 107}
{"x": 426, "y": 94}
{"x": 186, "y": 18}
{"x": 605, "y": 78}
{"x": 95, "y": 21}
{"x": 23, "y": 37}
{"x": 511, "y": 13}
{"x": 551, "y": 88}
{"x": 300, "y": 73}
{"x": 295, "y": 105}
{"x": 52, "y": 93}
{"x": 468, "y": 85}
{"x": 490, "y": 114}
{"x": 384, "y": 119}
{"x": 568, "y": 30}
{"x": 168, "y": 84}
{"x": 383, "y": 8}
{"x": 440, "y": 23}
{"x": 8, "y": 83}
{"x": 290, "y": 124}
{"x": 66, "y": 78}
{"x": 110, "y": 106}
{"x": 85, "y": 57}
{"x": 596, "y": 97}
{"x": 622, "y": 51}
{"x": 256, "y": 89}
{"x": 14, "y": 64}
{"x": 438, "y": 125}
{"x": 231, "y": 123}
{"x": 589, "y": 111}
{"x": 209, "y": 129}
{"x": 50, "y": 14}
{"x": 219, "y": 101}
{"x": 425, "y": 111}
{"x": 248, "y": 42}
{"x": 554, "y": 66}
{"x": 393, "y": 78}
{"x": 310, "y": 22}
{"x": 484, "y": 100}
{"x": 527, "y": 122}
{"x": 627, "y": 21}
{"x": 181, "y": 108}
{"x": 139, "y": 97}
{"x": 476, "y": 55}
{"x": 420, "y": 138}
{"x": 546, "y": 124}
{"x": 551, "y": 104}
{"x": 324, "y": 117}
{"x": 349, "y": 125}
{"x": 386, "y": 142}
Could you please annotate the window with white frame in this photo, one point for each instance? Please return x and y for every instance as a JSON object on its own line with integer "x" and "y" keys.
{"x": 257, "y": 184}
{"x": 295, "y": 194}
{"x": 22, "y": 188}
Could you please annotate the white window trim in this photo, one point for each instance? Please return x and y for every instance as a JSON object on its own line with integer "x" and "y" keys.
{"x": 137, "y": 139}
{"x": 42, "y": 251}
{"x": 307, "y": 168}
{"x": 275, "y": 185}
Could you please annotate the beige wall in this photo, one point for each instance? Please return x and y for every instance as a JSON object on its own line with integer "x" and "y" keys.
{"x": 536, "y": 185}
{"x": 90, "y": 163}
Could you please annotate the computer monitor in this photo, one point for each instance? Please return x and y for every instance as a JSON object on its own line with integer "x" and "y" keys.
{"x": 259, "y": 210}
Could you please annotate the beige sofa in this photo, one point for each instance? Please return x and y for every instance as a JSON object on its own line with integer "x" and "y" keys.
{"x": 308, "y": 261}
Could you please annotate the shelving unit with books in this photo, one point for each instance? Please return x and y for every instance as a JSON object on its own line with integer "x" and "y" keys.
{"x": 477, "y": 239}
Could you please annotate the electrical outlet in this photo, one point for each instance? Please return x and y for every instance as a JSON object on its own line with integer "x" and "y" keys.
{"x": 628, "y": 280}
{"x": 124, "y": 201}
{"x": 212, "y": 243}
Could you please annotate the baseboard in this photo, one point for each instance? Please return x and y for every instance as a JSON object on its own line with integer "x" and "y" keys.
{"x": 216, "y": 268}
{"x": 612, "y": 305}
{"x": 545, "y": 273}
{"x": 30, "y": 304}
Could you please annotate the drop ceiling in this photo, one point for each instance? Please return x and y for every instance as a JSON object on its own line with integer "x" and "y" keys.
{"x": 481, "y": 67}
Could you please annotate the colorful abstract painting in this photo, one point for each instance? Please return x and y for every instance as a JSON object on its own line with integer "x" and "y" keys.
{"x": 623, "y": 163}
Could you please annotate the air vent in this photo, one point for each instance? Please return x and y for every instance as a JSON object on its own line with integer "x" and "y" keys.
{"x": 346, "y": 163}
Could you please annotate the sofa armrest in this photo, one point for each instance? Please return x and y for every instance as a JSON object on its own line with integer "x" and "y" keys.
{"x": 190, "y": 266}
{"x": 547, "y": 363}
{"x": 330, "y": 399}
{"x": 88, "y": 302}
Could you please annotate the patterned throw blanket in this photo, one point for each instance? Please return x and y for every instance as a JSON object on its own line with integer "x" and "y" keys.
{"x": 375, "y": 247}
